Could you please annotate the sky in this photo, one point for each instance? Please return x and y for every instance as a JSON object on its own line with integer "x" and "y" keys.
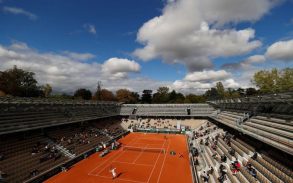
{"x": 186, "y": 45}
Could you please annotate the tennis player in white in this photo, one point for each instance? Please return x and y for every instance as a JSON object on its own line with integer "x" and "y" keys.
{"x": 113, "y": 172}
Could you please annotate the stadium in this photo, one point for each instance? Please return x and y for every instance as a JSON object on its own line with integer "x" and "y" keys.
{"x": 72, "y": 140}
{"x": 146, "y": 91}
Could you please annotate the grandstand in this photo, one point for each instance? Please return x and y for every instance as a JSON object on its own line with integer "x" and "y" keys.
{"x": 165, "y": 110}
{"x": 39, "y": 138}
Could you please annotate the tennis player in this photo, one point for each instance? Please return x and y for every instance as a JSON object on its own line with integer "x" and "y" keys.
{"x": 113, "y": 172}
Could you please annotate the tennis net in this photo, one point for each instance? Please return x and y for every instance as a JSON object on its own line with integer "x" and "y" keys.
{"x": 143, "y": 149}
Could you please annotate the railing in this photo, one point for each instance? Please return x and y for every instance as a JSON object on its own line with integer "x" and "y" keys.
{"x": 275, "y": 97}
{"x": 195, "y": 177}
{"x": 158, "y": 130}
{"x": 30, "y": 100}
{"x": 59, "y": 168}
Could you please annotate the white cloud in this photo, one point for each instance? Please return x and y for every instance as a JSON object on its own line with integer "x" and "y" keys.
{"x": 206, "y": 76}
{"x": 255, "y": 59}
{"x": 225, "y": 11}
{"x": 79, "y": 56}
{"x": 190, "y": 31}
{"x": 118, "y": 68}
{"x": 199, "y": 82}
{"x": 245, "y": 64}
{"x": 66, "y": 74}
{"x": 90, "y": 28}
{"x": 281, "y": 50}
{"x": 19, "y": 11}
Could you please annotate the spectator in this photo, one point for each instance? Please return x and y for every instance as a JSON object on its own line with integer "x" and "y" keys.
{"x": 215, "y": 155}
{"x": 205, "y": 176}
{"x": 196, "y": 162}
{"x": 223, "y": 158}
{"x": 253, "y": 173}
{"x": 232, "y": 152}
{"x": 222, "y": 178}
{"x": 254, "y": 156}
{"x": 211, "y": 170}
{"x": 236, "y": 166}
{"x": 223, "y": 170}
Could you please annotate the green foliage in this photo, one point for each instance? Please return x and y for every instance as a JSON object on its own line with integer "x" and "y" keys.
{"x": 146, "y": 96}
{"x": 126, "y": 96}
{"x": 175, "y": 97}
{"x": 106, "y": 95}
{"x": 161, "y": 96}
{"x": 274, "y": 80}
{"x": 47, "y": 90}
{"x": 83, "y": 94}
{"x": 98, "y": 93}
{"x": 191, "y": 98}
{"x": 251, "y": 91}
{"x": 220, "y": 89}
{"x": 212, "y": 94}
{"x": 61, "y": 96}
{"x": 18, "y": 82}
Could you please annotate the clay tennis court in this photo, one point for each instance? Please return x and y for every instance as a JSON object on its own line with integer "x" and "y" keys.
{"x": 143, "y": 158}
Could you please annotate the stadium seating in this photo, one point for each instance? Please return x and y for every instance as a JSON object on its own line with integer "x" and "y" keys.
{"x": 22, "y": 114}
{"x": 167, "y": 109}
{"x": 26, "y": 155}
{"x": 72, "y": 127}
{"x": 267, "y": 169}
{"x": 274, "y": 131}
{"x": 19, "y": 161}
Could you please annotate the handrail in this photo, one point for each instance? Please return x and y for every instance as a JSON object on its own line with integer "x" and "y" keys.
{"x": 67, "y": 164}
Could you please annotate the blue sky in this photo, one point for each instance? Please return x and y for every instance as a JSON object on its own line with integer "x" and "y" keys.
{"x": 190, "y": 48}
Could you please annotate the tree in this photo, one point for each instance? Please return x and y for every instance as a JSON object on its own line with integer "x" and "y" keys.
{"x": 135, "y": 97}
{"x": 106, "y": 95}
{"x": 274, "y": 80}
{"x": 266, "y": 80}
{"x": 220, "y": 89}
{"x": 191, "y": 98}
{"x": 126, "y": 96}
{"x": 18, "y": 82}
{"x": 83, "y": 94}
{"x": 47, "y": 89}
{"x": 62, "y": 96}
{"x": 176, "y": 97}
{"x": 99, "y": 90}
{"x": 161, "y": 96}
{"x": 146, "y": 96}
{"x": 286, "y": 80}
{"x": 241, "y": 91}
{"x": 212, "y": 94}
{"x": 251, "y": 91}
{"x": 232, "y": 93}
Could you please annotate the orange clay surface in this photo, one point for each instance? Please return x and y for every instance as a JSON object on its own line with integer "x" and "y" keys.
{"x": 135, "y": 166}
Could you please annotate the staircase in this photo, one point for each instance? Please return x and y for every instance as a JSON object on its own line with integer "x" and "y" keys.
{"x": 65, "y": 151}
{"x": 62, "y": 149}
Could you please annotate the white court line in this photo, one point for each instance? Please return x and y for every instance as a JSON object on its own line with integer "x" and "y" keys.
{"x": 145, "y": 143}
{"x": 124, "y": 162}
{"x": 141, "y": 152}
{"x": 116, "y": 157}
{"x": 99, "y": 165}
{"x": 155, "y": 163}
{"x": 119, "y": 179}
{"x": 153, "y": 139}
{"x": 121, "y": 149}
{"x": 163, "y": 163}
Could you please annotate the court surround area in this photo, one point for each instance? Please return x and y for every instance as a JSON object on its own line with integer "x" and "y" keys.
{"x": 142, "y": 158}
